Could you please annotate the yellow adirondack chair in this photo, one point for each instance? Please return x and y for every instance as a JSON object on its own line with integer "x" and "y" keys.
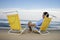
{"x": 15, "y": 24}
{"x": 45, "y": 24}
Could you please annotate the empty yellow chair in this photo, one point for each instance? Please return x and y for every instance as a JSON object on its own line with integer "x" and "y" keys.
{"x": 14, "y": 22}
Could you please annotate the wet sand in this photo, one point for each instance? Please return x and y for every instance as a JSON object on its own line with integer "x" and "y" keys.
{"x": 52, "y": 35}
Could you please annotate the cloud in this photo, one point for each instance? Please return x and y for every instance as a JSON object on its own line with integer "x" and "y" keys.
{"x": 32, "y": 14}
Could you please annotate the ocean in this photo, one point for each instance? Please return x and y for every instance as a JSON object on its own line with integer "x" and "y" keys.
{"x": 5, "y": 23}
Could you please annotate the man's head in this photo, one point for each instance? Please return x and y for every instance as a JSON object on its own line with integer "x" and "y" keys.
{"x": 45, "y": 14}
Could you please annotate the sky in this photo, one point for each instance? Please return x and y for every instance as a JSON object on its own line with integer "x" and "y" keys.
{"x": 30, "y": 4}
{"x": 31, "y": 9}
{"x": 28, "y": 9}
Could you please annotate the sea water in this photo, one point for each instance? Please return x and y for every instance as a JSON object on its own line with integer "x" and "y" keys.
{"x": 5, "y": 23}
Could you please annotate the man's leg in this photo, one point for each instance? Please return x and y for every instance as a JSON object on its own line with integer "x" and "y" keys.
{"x": 30, "y": 29}
{"x": 30, "y": 25}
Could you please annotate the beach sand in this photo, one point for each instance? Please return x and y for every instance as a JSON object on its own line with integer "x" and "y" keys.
{"x": 52, "y": 35}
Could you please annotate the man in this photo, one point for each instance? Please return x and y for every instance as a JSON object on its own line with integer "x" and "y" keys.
{"x": 37, "y": 24}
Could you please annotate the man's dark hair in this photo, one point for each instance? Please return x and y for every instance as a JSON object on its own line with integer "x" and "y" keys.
{"x": 46, "y": 14}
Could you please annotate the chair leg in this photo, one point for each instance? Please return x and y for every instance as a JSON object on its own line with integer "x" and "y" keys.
{"x": 22, "y": 31}
{"x": 47, "y": 31}
{"x": 14, "y": 31}
{"x": 9, "y": 30}
{"x": 40, "y": 32}
{"x": 44, "y": 33}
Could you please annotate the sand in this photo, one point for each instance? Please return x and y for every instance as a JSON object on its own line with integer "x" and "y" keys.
{"x": 52, "y": 35}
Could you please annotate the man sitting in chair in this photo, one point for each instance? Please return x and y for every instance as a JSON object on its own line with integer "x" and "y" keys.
{"x": 37, "y": 24}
